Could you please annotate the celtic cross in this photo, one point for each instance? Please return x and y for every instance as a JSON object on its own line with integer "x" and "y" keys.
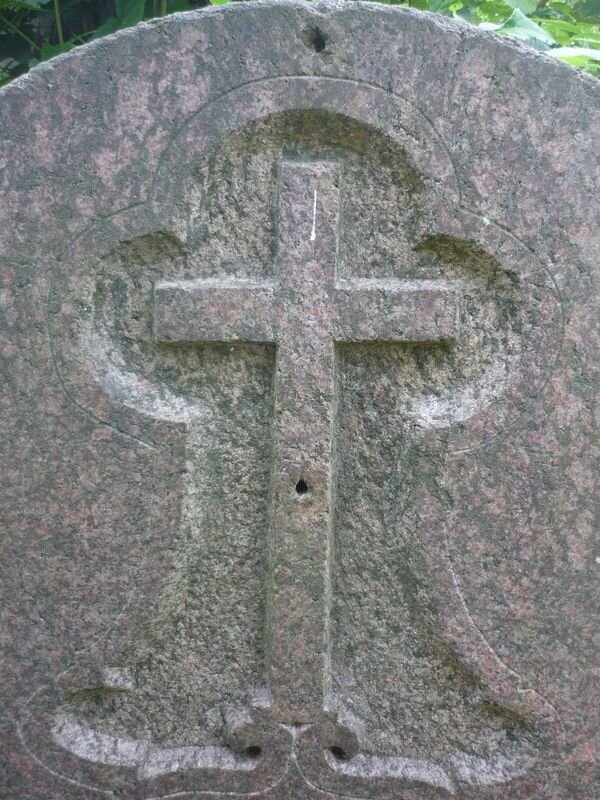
{"x": 305, "y": 312}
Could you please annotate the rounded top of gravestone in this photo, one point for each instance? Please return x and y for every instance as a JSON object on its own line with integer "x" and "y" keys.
{"x": 284, "y": 24}
{"x": 501, "y": 111}
{"x": 493, "y": 103}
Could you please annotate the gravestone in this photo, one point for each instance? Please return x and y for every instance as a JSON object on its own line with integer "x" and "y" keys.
{"x": 299, "y": 358}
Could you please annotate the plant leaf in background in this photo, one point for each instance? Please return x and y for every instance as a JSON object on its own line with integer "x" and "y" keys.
{"x": 489, "y": 14}
{"x": 589, "y": 9}
{"x": 35, "y": 30}
{"x": 520, "y": 27}
{"x": 29, "y": 6}
{"x": 582, "y": 57}
{"x": 50, "y": 50}
{"x": 571, "y": 54}
{"x": 439, "y": 6}
{"x": 128, "y": 12}
{"x": 527, "y": 7}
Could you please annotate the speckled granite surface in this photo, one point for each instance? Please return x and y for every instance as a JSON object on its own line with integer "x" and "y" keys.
{"x": 299, "y": 356}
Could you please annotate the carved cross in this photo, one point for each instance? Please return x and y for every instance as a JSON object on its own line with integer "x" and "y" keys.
{"x": 305, "y": 311}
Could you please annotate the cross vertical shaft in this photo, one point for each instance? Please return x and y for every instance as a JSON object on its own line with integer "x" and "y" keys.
{"x": 304, "y": 403}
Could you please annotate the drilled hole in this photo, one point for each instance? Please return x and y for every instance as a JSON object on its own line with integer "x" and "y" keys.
{"x": 338, "y": 753}
{"x": 319, "y": 41}
{"x": 301, "y": 487}
{"x": 315, "y": 38}
{"x": 254, "y": 751}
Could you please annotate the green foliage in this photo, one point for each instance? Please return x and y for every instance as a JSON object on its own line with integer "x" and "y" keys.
{"x": 35, "y": 30}
{"x": 521, "y": 27}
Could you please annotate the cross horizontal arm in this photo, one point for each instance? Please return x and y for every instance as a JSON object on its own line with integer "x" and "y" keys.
{"x": 395, "y": 311}
{"x": 211, "y": 311}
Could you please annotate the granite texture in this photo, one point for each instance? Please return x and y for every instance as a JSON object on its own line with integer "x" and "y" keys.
{"x": 299, "y": 354}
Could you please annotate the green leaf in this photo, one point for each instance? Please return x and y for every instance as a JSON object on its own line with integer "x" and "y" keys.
{"x": 582, "y": 57}
{"x": 440, "y": 6}
{"x": 130, "y": 12}
{"x": 51, "y": 50}
{"x": 590, "y": 40}
{"x": 576, "y": 55}
{"x": 519, "y": 27}
{"x": 561, "y": 31}
{"x": 110, "y": 25}
{"x": 29, "y": 5}
{"x": 588, "y": 9}
{"x": 526, "y": 6}
{"x": 559, "y": 9}
{"x": 180, "y": 5}
{"x": 494, "y": 11}
{"x": 218, "y": 2}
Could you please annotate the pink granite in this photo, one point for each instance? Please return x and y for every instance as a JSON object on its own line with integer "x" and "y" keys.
{"x": 299, "y": 356}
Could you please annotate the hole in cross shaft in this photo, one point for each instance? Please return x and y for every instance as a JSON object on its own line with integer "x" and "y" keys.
{"x": 315, "y": 38}
{"x": 301, "y": 487}
{"x": 338, "y": 753}
{"x": 319, "y": 41}
{"x": 254, "y": 751}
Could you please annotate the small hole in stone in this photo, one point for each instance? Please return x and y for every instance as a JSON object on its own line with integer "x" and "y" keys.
{"x": 315, "y": 38}
{"x": 338, "y": 753}
{"x": 254, "y": 751}
{"x": 319, "y": 41}
{"x": 301, "y": 487}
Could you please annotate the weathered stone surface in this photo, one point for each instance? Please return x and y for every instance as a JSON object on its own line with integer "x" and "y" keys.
{"x": 299, "y": 367}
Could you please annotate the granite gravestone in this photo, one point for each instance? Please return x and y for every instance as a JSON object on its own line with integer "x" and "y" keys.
{"x": 299, "y": 356}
